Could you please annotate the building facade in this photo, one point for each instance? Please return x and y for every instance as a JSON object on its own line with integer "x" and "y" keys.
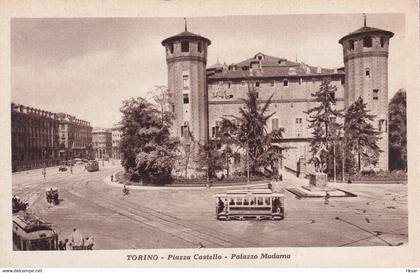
{"x": 116, "y": 140}
{"x": 201, "y": 102}
{"x": 102, "y": 143}
{"x": 75, "y": 137}
{"x": 289, "y": 83}
{"x": 365, "y": 53}
{"x": 35, "y": 138}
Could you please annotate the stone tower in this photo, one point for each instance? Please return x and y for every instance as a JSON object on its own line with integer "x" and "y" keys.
{"x": 365, "y": 53}
{"x": 186, "y": 57}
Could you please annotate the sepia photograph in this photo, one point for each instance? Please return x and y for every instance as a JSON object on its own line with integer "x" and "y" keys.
{"x": 198, "y": 133}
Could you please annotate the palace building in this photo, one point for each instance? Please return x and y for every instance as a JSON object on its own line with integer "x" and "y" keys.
{"x": 203, "y": 95}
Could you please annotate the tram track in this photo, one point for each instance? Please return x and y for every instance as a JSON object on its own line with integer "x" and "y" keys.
{"x": 171, "y": 219}
{"x": 192, "y": 237}
{"x": 165, "y": 222}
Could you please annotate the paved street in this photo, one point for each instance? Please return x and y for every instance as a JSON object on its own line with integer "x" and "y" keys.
{"x": 185, "y": 218}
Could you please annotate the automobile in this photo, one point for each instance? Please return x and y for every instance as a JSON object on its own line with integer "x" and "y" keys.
{"x": 18, "y": 204}
{"x": 78, "y": 161}
{"x": 92, "y": 166}
{"x": 52, "y": 195}
{"x": 68, "y": 163}
{"x": 62, "y": 169}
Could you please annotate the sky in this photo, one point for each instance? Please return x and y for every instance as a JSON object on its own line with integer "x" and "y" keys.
{"x": 87, "y": 66}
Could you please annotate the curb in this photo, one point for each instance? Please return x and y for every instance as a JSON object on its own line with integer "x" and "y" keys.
{"x": 107, "y": 180}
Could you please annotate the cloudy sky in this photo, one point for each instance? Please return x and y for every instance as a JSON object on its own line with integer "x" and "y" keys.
{"x": 87, "y": 66}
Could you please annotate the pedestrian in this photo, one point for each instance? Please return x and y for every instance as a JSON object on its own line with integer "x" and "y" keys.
{"x": 67, "y": 244}
{"x": 112, "y": 177}
{"x": 327, "y": 196}
{"x": 76, "y": 239}
{"x": 89, "y": 242}
{"x": 71, "y": 169}
{"x": 61, "y": 245}
{"x": 44, "y": 173}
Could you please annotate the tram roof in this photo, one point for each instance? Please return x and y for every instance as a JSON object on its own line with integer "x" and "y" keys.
{"x": 263, "y": 192}
{"x": 29, "y": 223}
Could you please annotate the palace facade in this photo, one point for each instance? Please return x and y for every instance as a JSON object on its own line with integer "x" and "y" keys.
{"x": 203, "y": 95}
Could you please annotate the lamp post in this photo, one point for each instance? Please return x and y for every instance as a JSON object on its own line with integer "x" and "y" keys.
{"x": 343, "y": 159}
{"x": 335, "y": 167}
{"x": 247, "y": 162}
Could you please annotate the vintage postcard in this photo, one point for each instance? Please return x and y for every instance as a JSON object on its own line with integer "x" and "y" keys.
{"x": 210, "y": 134}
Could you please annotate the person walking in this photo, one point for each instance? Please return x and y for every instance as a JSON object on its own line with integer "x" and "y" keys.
{"x": 327, "y": 196}
{"x": 76, "y": 239}
{"x": 67, "y": 244}
{"x": 89, "y": 242}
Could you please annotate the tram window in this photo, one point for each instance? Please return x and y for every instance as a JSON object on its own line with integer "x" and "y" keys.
{"x": 267, "y": 200}
{"x": 231, "y": 202}
{"x": 246, "y": 202}
{"x": 24, "y": 245}
{"x": 253, "y": 201}
{"x": 260, "y": 201}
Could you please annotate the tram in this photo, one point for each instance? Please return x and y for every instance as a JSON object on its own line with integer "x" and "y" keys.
{"x": 31, "y": 233}
{"x": 92, "y": 166}
{"x": 257, "y": 204}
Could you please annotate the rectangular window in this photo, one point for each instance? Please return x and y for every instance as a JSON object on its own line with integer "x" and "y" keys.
{"x": 171, "y": 48}
{"x": 173, "y": 108}
{"x": 185, "y": 46}
{"x": 257, "y": 84}
{"x": 375, "y": 94}
{"x": 351, "y": 42}
{"x": 185, "y": 81}
{"x": 285, "y": 82}
{"x": 229, "y": 85}
{"x": 275, "y": 124}
{"x": 243, "y": 83}
{"x": 186, "y": 99}
{"x": 343, "y": 80}
{"x": 382, "y": 126}
{"x": 367, "y": 73}
{"x": 200, "y": 47}
{"x": 299, "y": 127}
{"x": 382, "y": 41}
{"x": 367, "y": 41}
